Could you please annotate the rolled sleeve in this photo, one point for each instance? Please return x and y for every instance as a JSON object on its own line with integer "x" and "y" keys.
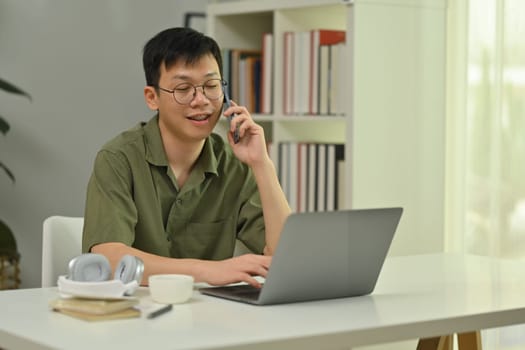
{"x": 109, "y": 205}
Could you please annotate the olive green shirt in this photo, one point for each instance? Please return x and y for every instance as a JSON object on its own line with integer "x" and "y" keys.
{"x": 133, "y": 198}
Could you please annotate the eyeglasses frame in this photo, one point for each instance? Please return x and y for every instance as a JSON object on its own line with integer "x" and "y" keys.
{"x": 223, "y": 83}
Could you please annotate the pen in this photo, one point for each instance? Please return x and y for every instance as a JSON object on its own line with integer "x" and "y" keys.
{"x": 160, "y": 311}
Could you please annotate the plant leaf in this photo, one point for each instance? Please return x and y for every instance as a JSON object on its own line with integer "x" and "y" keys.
{"x": 8, "y": 87}
{"x": 7, "y": 171}
{"x": 4, "y": 126}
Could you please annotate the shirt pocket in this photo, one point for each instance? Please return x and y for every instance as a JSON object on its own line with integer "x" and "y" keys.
{"x": 208, "y": 240}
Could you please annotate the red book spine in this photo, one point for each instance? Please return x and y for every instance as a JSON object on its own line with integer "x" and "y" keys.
{"x": 331, "y": 37}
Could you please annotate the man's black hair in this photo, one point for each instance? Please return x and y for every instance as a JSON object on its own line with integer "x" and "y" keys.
{"x": 173, "y": 45}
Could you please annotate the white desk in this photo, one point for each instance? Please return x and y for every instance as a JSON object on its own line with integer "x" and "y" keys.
{"x": 416, "y": 297}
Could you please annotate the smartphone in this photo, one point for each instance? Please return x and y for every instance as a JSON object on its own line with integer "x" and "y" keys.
{"x": 228, "y": 103}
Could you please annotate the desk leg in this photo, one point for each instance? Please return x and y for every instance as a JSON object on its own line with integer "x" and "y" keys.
{"x": 438, "y": 343}
{"x": 469, "y": 341}
{"x": 466, "y": 341}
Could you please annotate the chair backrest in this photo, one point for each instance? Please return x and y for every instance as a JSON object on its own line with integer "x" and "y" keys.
{"x": 61, "y": 241}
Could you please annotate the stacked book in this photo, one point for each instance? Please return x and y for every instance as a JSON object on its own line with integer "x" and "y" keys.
{"x": 97, "y": 309}
{"x": 312, "y": 175}
{"x": 313, "y": 62}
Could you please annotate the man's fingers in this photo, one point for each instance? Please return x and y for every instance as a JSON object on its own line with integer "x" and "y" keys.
{"x": 252, "y": 281}
{"x": 257, "y": 270}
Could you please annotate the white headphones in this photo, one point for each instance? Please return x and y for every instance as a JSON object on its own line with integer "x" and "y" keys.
{"x": 89, "y": 276}
{"x": 92, "y": 267}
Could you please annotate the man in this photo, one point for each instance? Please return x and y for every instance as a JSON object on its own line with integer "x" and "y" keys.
{"x": 175, "y": 195}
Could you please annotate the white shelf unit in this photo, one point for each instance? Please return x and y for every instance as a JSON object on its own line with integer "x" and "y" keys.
{"x": 394, "y": 120}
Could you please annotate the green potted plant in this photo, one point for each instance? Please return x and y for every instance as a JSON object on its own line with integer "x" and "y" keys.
{"x": 9, "y": 255}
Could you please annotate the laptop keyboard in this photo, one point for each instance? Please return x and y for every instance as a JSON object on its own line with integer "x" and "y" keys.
{"x": 238, "y": 292}
{"x": 243, "y": 290}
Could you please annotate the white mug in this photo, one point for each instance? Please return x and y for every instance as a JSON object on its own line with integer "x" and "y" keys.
{"x": 170, "y": 288}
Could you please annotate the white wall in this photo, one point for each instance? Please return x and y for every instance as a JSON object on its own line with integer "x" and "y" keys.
{"x": 81, "y": 62}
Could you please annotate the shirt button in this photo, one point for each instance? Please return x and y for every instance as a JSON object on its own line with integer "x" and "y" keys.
{"x": 179, "y": 201}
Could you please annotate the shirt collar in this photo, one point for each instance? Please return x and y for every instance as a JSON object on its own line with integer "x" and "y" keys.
{"x": 155, "y": 154}
{"x": 207, "y": 160}
{"x": 154, "y": 148}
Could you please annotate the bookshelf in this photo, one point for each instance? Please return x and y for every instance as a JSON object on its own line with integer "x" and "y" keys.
{"x": 393, "y": 118}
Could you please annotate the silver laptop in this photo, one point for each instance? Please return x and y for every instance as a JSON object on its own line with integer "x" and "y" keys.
{"x": 322, "y": 255}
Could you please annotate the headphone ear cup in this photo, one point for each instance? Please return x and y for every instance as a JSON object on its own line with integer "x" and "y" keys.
{"x": 129, "y": 268}
{"x": 89, "y": 267}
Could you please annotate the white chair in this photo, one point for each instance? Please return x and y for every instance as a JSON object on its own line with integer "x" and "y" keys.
{"x": 61, "y": 241}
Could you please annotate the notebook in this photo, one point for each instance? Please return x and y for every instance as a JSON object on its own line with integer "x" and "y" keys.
{"x": 322, "y": 255}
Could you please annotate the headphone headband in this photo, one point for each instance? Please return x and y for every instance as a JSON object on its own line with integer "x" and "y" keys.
{"x": 91, "y": 267}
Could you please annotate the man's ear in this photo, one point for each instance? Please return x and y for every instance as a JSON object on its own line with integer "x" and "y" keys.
{"x": 151, "y": 98}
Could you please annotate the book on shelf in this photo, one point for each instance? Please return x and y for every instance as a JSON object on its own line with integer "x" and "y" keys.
{"x": 312, "y": 189}
{"x": 256, "y": 98}
{"x": 301, "y": 72}
{"x": 310, "y": 70}
{"x": 324, "y": 71}
{"x": 242, "y": 71}
{"x": 293, "y": 174}
{"x": 330, "y": 187}
{"x": 336, "y": 83}
{"x": 226, "y": 68}
{"x": 249, "y": 83}
{"x": 288, "y": 70}
{"x": 310, "y": 175}
{"x": 321, "y": 178}
{"x": 267, "y": 74}
{"x": 320, "y": 39}
{"x": 340, "y": 180}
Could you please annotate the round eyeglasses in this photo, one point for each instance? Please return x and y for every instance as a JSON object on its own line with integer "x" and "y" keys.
{"x": 184, "y": 93}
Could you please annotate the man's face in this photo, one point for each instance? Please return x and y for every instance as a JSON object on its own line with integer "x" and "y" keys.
{"x": 194, "y": 120}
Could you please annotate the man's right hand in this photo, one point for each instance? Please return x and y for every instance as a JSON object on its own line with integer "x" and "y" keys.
{"x": 241, "y": 268}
